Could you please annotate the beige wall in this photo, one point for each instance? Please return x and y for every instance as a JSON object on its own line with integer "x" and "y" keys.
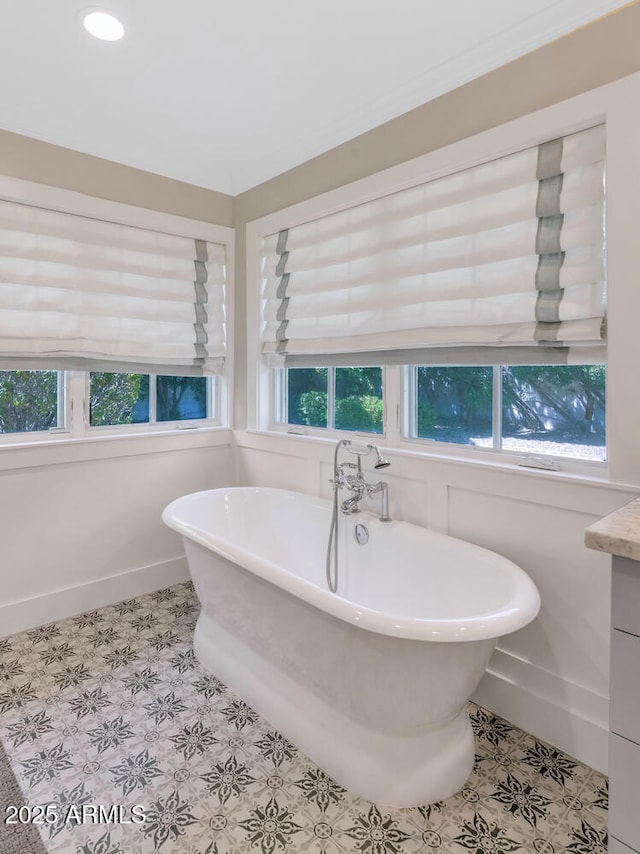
{"x": 589, "y": 57}
{"x": 33, "y": 160}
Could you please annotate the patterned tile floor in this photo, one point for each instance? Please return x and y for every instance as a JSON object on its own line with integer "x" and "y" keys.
{"x": 110, "y": 709}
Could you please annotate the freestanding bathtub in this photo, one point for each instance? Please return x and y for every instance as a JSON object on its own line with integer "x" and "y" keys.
{"x": 371, "y": 682}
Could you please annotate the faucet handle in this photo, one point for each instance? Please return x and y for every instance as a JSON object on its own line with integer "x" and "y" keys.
{"x": 340, "y": 479}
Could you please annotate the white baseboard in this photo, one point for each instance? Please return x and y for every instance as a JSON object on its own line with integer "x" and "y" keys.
{"x": 570, "y": 717}
{"x": 60, "y": 604}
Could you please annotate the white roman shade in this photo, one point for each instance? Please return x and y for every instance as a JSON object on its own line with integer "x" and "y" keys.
{"x": 81, "y": 293}
{"x": 502, "y": 262}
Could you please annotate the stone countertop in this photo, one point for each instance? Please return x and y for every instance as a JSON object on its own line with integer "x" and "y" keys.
{"x": 618, "y": 533}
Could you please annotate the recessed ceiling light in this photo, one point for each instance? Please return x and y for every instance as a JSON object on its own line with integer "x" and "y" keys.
{"x": 103, "y": 26}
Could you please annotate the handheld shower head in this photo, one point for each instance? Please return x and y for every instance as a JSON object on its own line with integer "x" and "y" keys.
{"x": 380, "y": 462}
{"x": 364, "y": 451}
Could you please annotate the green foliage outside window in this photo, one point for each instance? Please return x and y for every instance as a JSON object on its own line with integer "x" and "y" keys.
{"x": 454, "y": 402}
{"x": 28, "y": 401}
{"x": 118, "y": 398}
{"x": 124, "y": 398}
{"x": 180, "y": 398}
{"x": 311, "y": 409}
{"x": 556, "y": 409}
{"x": 358, "y": 398}
{"x": 561, "y": 398}
{"x": 543, "y": 408}
{"x": 307, "y": 396}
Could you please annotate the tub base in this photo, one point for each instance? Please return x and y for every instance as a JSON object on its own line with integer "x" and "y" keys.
{"x": 399, "y": 770}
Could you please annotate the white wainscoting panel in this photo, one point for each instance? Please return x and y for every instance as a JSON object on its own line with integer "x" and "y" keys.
{"x": 76, "y": 534}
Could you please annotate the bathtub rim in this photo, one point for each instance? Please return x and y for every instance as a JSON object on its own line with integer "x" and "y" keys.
{"x": 482, "y": 627}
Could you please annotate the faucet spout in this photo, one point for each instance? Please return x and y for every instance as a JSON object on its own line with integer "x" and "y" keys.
{"x": 382, "y": 487}
{"x": 350, "y": 505}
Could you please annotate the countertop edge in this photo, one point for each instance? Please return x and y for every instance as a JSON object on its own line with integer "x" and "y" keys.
{"x": 618, "y": 533}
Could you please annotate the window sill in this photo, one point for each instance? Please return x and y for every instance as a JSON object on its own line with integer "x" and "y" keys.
{"x": 579, "y": 471}
{"x": 97, "y": 446}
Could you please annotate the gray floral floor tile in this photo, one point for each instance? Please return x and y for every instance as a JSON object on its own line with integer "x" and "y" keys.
{"x": 115, "y": 731}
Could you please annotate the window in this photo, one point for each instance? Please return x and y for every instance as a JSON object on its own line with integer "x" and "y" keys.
{"x": 181, "y": 398}
{"x": 118, "y": 399}
{"x": 30, "y": 401}
{"x": 451, "y": 404}
{"x": 35, "y": 402}
{"x": 496, "y": 269}
{"x": 142, "y": 399}
{"x": 114, "y": 318}
{"x": 339, "y": 398}
{"x": 306, "y": 401}
{"x": 531, "y": 409}
{"x": 610, "y": 105}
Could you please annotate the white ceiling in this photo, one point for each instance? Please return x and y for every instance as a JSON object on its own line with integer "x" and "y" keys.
{"x": 225, "y": 94}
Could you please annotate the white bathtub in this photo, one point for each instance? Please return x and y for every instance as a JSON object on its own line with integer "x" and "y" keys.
{"x": 371, "y": 683}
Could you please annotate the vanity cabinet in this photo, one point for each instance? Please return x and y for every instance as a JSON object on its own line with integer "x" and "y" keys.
{"x": 619, "y": 535}
{"x": 624, "y": 708}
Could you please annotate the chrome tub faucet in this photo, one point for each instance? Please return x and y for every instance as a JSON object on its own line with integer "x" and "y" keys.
{"x": 349, "y": 476}
{"x": 355, "y": 481}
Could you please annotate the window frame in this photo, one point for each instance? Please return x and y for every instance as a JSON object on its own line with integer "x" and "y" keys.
{"x": 399, "y": 418}
{"x": 280, "y": 406}
{"x": 74, "y": 411}
{"x": 152, "y": 425}
{"x": 617, "y": 105}
{"x": 541, "y": 459}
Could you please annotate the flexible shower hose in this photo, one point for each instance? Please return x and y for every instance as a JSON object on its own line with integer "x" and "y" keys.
{"x": 332, "y": 580}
